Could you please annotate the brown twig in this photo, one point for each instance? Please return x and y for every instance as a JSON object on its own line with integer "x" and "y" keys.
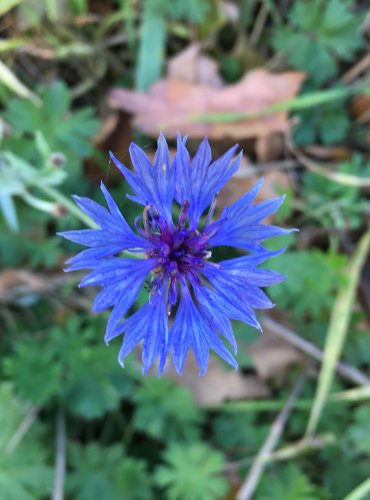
{"x": 249, "y": 485}
{"x": 340, "y": 178}
{"x": 358, "y": 68}
{"x": 345, "y": 370}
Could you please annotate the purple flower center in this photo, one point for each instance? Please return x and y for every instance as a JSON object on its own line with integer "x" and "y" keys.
{"x": 181, "y": 250}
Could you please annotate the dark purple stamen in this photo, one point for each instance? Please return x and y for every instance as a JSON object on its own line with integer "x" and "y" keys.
{"x": 181, "y": 251}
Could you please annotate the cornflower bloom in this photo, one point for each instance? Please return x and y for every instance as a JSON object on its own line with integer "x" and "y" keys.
{"x": 191, "y": 299}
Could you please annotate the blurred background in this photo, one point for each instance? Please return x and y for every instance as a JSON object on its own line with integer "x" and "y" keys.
{"x": 290, "y": 82}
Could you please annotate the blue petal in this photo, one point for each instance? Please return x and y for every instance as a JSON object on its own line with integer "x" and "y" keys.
{"x": 215, "y": 316}
{"x": 240, "y": 289}
{"x": 89, "y": 259}
{"x": 152, "y": 184}
{"x": 230, "y": 304}
{"x": 150, "y": 324}
{"x": 190, "y": 329}
{"x": 199, "y": 181}
{"x": 113, "y": 236}
{"x": 239, "y": 225}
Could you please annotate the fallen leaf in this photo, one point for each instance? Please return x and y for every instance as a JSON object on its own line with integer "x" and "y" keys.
{"x": 11, "y": 279}
{"x": 172, "y": 106}
{"x": 192, "y": 66}
{"x": 273, "y": 356}
{"x": 218, "y": 385}
{"x": 269, "y": 148}
{"x": 360, "y": 108}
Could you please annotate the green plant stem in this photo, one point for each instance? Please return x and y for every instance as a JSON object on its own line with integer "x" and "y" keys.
{"x": 337, "y": 332}
{"x": 297, "y": 103}
{"x": 66, "y": 203}
{"x": 349, "y": 396}
{"x": 360, "y": 492}
{"x": 288, "y": 452}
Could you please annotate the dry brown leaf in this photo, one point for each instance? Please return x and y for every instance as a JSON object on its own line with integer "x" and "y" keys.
{"x": 218, "y": 385}
{"x": 192, "y": 66}
{"x": 360, "y": 108}
{"x": 273, "y": 357}
{"x": 13, "y": 278}
{"x": 172, "y": 105}
{"x": 269, "y": 148}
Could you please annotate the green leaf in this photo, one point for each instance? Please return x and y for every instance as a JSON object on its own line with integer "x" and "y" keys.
{"x": 64, "y": 132}
{"x": 359, "y": 432}
{"x": 30, "y": 357}
{"x": 238, "y": 431}
{"x": 195, "y": 11}
{"x": 9, "y": 212}
{"x": 10, "y": 80}
{"x": 321, "y": 33}
{"x": 328, "y": 123}
{"x": 332, "y": 204}
{"x": 288, "y": 483}
{"x": 191, "y": 472}
{"x": 153, "y": 39}
{"x": 104, "y": 472}
{"x": 68, "y": 364}
{"x": 165, "y": 410}
{"x": 319, "y": 276}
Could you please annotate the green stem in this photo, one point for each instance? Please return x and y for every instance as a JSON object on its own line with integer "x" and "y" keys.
{"x": 297, "y": 103}
{"x": 65, "y": 202}
{"x": 348, "y": 396}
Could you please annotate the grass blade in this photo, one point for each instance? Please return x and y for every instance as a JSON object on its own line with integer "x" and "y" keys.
{"x": 151, "y": 53}
{"x": 360, "y": 492}
{"x": 10, "y": 80}
{"x": 337, "y": 331}
{"x": 7, "y": 5}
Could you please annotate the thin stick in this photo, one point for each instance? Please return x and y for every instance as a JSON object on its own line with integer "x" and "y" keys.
{"x": 339, "y": 177}
{"x": 289, "y": 451}
{"x": 248, "y": 487}
{"x": 60, "y": 456}
{"x": 360, "y": 67}
{"x": 22, "y": 429}
{"x": 345, "y": 370}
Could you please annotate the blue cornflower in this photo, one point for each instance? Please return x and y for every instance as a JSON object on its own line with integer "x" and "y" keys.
{"x": 191, "y": 299}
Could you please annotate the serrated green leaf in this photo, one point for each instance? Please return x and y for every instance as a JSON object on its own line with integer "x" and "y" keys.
{"x": 319, "y": 276}
{"x": 191, "y": 472}
{"x": 65, "y": 132}
{"x": 289, "y": 483}
{"x": 104, "y": 472}
{"x": 165, "y": 411}
{"x": 359, "y": 431}
{"x": 321, "y": 33}
{"x": 46, "y": 376}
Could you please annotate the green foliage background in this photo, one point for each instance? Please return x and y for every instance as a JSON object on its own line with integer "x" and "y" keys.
{"x": 62, "y": 392}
